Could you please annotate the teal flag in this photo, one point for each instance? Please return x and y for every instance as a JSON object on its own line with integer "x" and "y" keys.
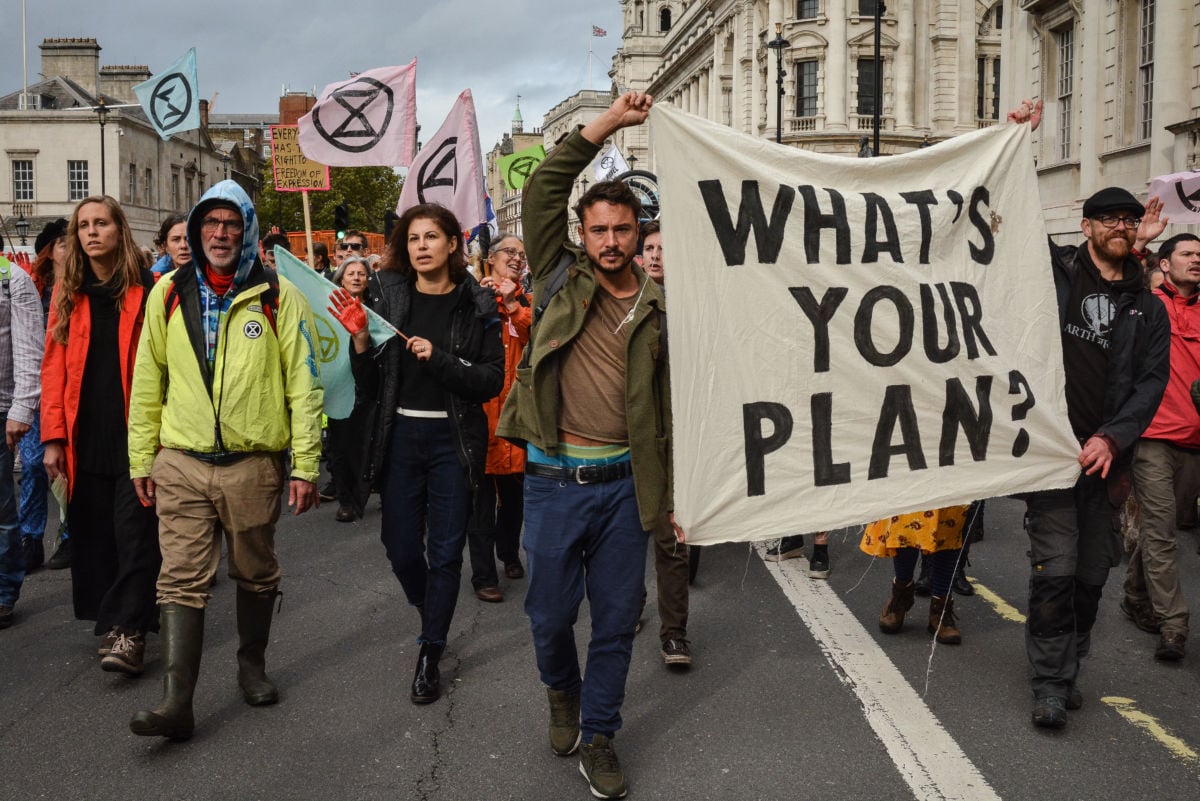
{"x": 333, "y": 341}
{"x": 171, "y": 99}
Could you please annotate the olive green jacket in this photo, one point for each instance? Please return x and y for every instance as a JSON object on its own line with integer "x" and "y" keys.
{"x": 531, "y": 412}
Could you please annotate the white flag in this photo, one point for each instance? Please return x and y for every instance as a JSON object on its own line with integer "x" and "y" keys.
{"x": 611, "y": 164}
{"x": 367, "y": 121}
{"x": 449, "y": 169}
{"x": 1180, "y": 196}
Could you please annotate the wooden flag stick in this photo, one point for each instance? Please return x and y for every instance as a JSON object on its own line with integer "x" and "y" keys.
{"x": 307, "y": 231}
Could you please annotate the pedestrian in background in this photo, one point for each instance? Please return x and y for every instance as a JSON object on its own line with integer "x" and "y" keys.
{"x": 92, "y": 339}
{"x": 172, "y": 243}
{"x": 498, "y": 513}
{"x": 344, "y": 437}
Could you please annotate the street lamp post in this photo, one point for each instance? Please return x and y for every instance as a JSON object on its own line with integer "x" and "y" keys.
{"x": 102, "y": 114}
{"x": 778, "y": 44}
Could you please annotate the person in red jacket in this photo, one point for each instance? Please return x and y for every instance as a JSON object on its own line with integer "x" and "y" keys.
{"x": 1166, "y": 464}
{"x": 93, "y": 331}
{"x": 495, "y": 529}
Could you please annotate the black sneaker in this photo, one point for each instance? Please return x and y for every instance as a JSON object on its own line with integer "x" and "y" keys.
{"x": 787, "y": 548}
{"x": 1050, "y": 712}
{"x": 61, "y": 559}
{"x": 33, "y": 553}
{"x": 676, "y": 653}
{"x": 1171, "y": 647}
{"x": 818, "y": 563}
{"x": 599, "y": 765}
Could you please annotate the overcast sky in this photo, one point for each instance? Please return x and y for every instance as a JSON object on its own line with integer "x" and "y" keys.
{"x": 247, "y": 50}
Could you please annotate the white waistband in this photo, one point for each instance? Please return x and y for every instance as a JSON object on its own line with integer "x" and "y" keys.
{"x": 421, "y": 413}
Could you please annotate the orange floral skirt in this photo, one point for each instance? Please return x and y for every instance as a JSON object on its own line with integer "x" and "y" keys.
{"x": 939, "y": 530}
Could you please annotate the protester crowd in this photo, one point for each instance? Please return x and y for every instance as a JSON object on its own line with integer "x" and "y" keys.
{"x": 525, "y": 407}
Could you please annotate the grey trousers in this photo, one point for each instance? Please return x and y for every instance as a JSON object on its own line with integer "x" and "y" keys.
{"x": 1074, "y": 540}
{"x": 1164, "y": 477}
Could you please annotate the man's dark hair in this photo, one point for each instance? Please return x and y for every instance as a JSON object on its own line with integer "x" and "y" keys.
{"x": 271, "y": 240}
{"x": 617, "y": 193}
{"x": 652, "y": 227}
{"x": 321, "y": 252}
{"x": 397, "y": 255}
{"x": 355, "y": 233}
{"x": 1168, "y": 247}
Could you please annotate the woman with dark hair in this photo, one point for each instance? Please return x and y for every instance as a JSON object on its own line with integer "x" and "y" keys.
{"x": 430, "y": 440}
{"x": 51, "y": 249}
{"x": 94, "y": 327}
{"x": 172, "y": 243}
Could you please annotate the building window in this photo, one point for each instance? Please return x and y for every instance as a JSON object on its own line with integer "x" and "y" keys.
{"x": 1145, "y": 99}
{"x": 806, "y": 88}
{"x": 132, "y": 184}
{"x": 866, "y": 8}
{"x": 996, "y": 88}
{"x": 807, "y": 9}
{"x": 175, "y": 204}
{"x": 1065, "y": 88}
{"x": 22, "y": 172}
{"x": 866, "y": 86}
{"x": 77, "y": 180}
{"x": 987, "y": 88}
{"x": 187, "y": 186}
{"x": 148, "y": 187}
{"x": 664, "y": 20}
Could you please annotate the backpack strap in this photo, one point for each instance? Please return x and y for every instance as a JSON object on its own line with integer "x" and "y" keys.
{"x": 558, "y": 279}
{"x": 270, "y": 299}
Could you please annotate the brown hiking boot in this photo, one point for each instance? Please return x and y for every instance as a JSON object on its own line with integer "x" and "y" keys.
{"x": 901, "y": 601}
{"x": 126, "y": 655}
{"x": 942, "y": 623}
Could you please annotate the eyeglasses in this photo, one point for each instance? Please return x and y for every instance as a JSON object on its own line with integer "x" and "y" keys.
{"x": 355, "y": 246}
{"x": 209, "y": 225}
{"x": 1109, "y": 221}
{"x": 512, "y": 253}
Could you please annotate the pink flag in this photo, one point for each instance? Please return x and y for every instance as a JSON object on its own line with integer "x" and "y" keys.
{"x": 367, "y": 121}
{"x": 449, "y": 168}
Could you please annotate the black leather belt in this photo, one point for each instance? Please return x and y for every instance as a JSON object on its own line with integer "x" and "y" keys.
{"x": 584, "y": 474}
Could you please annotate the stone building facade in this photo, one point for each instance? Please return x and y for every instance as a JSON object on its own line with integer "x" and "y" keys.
{"x": 506, "y": 203}
{"x": 1118, "y": 78}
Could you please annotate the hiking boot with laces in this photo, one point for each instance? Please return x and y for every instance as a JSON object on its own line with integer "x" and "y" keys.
{"x": 126, "y": 655}
{"x": 599, "y": 765}
{"x": 564, "y": 721}
{"x": 106, "y": 644}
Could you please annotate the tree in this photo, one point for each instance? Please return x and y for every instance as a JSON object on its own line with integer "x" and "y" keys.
{"x": 370, "y": 192}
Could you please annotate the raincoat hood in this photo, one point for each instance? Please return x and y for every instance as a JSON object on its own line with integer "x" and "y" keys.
{"x": 226, "y": 193}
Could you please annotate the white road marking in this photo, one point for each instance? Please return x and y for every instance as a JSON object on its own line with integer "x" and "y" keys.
{"x": 928, "y": 758}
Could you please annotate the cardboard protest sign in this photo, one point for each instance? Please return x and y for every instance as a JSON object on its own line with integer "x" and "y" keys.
{"x": 295, "y": 172}
{"x": 852, "y": 339}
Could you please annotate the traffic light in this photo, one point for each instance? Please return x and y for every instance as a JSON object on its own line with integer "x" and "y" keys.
{"x": 389, "y": 222}
{"x": 341, "y": 220}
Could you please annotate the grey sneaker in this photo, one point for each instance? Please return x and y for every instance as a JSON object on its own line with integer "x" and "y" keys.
{"x": 676, "y": 653}
{"x": 599, "y": 765}
{"x": 564, "y": 721}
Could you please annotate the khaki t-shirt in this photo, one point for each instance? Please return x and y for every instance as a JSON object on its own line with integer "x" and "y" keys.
{"x": 592, "y": 374}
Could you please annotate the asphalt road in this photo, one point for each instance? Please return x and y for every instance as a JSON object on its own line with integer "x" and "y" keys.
{"x": 777, "y": 705}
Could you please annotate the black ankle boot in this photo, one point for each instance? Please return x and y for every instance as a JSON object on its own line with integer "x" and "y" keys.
{"x": 426, "y": 686}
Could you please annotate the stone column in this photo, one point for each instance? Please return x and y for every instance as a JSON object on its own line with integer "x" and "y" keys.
{"x": 904, "y": 77}
{"x": 836, "y": 73}
{"x": 967, "y": 69}
{"x": 1171, "y": 86}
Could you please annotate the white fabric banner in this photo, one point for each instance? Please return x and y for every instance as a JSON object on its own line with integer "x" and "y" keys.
{"x": 449, "y": 169}
{"x": 855, "y": 338}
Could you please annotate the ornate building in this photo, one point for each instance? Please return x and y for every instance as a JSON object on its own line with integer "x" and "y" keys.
{"x": 506, "y": 203}
{"x": 1116, "y": 111}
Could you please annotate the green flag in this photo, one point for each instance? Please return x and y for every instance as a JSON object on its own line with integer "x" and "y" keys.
{"x": 515, "y": 169}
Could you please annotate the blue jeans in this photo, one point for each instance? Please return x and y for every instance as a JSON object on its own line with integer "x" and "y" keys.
{"x": 34, "y": 483}
{"x": 585, "y": 537}
{"x": 12, "y": 557}
{"x": 426, "y": 503}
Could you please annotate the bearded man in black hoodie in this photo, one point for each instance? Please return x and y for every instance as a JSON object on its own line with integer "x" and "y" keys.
{"x": 1116, "y": 342}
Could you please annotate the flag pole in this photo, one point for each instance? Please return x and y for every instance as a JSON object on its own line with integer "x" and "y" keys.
{"x": 307, "y": 230}
{"x": 590, "y": 61}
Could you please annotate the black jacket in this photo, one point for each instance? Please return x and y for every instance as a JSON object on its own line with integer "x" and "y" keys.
{"x": 1138, "y": 361}
{"x": 471, "y": 372}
